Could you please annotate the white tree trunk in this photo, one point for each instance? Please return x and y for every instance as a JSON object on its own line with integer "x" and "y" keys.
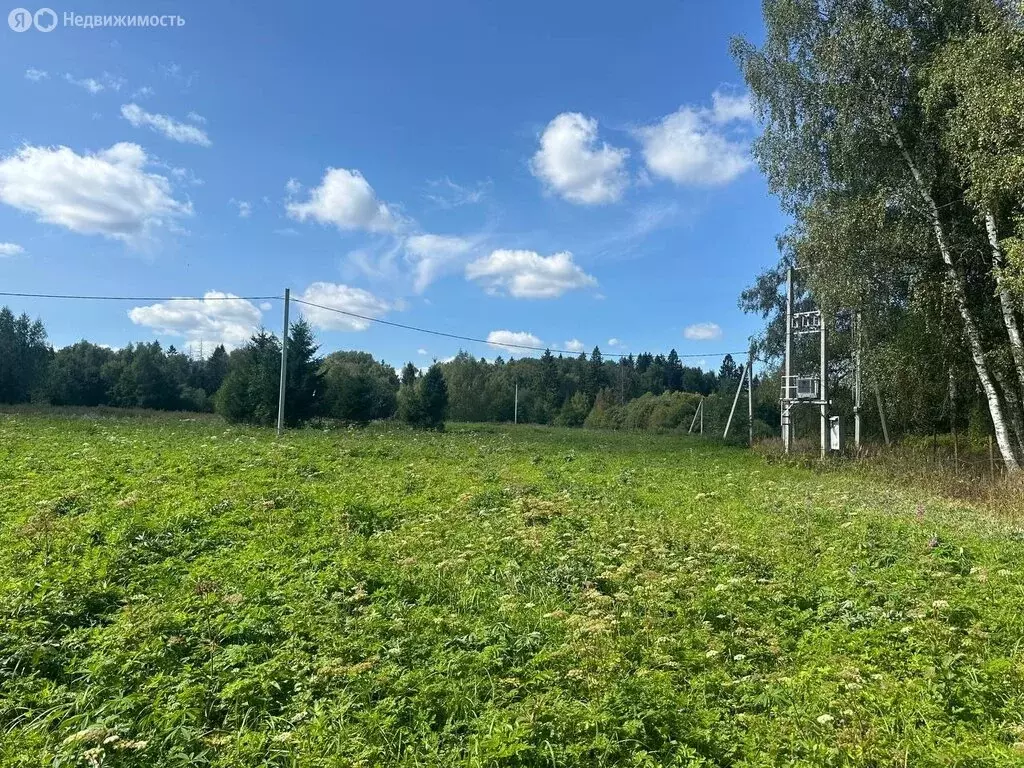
{"x": 959, "y": 289}
{"x": 1005, "y": 299}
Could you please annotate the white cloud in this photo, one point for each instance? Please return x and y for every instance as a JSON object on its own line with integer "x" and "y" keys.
{"x": 108, "y": 193}
{"x": 528, "y": 275}
{"x": 691, "y": 145}
{"x": 90, "y": 84}
{"x": 195, "y": 117}
{"x": 431, "y": 255}
{"x": 613, "y": 342}
{"x": 703, "y": 332}
{"x": 35, "y": 75}
{"x": 342, "y": 297}
{"x": 143, "y": 93}
{"x": 512, "y": 340}
{"x": 574, "y": 345}
{"x": 421, "y": 351}
{"x": 571, "y": 163}
{"x": 10, "y": 249}
{"x": 728, "y": 107}
{"x": 217, "y": 318}
{"x": 244, "y": 208}
{"x": 344, "y": 199}
{"x": 168, "y": 126}
{"x": 447, "y": 194}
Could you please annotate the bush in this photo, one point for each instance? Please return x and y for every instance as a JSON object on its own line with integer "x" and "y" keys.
{"x": 424, "y": 402}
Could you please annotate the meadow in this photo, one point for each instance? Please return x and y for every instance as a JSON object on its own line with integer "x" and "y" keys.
{"x": 180, "y": 593}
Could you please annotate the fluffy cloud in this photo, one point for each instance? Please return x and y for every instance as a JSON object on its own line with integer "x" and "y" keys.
{"x": 431, "y": 255}
{"x": 728, "y": 107}
{"x": 513, "y": 340}
{"x": 528, "y": 275}
{"x": 344, "y": 199}
{"x": 572, "y": 164}
{"x": 613, "y": 342}
{"x": 108, "y": 193}
{"x": 217, "y": 318}
{"x": 35, "y": 75}
{"x": 342, "y": 297}
{"x": 703, "y": 332}
{"x": 10, "y": 249}
{"x": 168, "y": 126}
{"x": 195, "y": 117}
{"x": 574, "y": 345}
{"x": 692, "y": 145}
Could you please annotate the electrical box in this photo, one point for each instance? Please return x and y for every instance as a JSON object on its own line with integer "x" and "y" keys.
{"x": 807, "y": 388}
{"x": 835, "y": 434}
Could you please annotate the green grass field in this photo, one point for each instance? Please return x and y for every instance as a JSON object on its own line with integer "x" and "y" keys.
{"x": 179, "y": 593}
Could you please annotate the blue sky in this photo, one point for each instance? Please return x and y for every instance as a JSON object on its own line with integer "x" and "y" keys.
{"x": 562, "y": 172}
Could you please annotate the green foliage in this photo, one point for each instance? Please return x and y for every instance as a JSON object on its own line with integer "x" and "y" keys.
{"x": 249, "y": 393}
{"x": 424, "y": 403}
{"x": 574, "y": 412}
{"x": 24, "y": 357}
{"x": 357, "y": 388}
{"x": 177, "y": 592}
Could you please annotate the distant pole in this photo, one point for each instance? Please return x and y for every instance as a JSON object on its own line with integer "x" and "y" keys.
{"x": 515, "y": 412}
{"x": 824, "y": 387}
{"x": 787, "y": 382}
{"x": 857, "y": 388}
{"x": 881, "y": 414}
{"x": 735, "y": 400}
{"x": 284, "y": 364}
{"x": 750, "y": 397}
{"x": 695, "y": 414}
{"x": 702, "y": 416}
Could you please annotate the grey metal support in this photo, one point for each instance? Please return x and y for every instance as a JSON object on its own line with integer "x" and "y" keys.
{"x": 284, "y": 365}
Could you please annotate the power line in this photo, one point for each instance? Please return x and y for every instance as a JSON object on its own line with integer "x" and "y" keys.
{"x": 345, "y": 312}
{"x": 476, "y": 340}
{"x": 138, "y": 298}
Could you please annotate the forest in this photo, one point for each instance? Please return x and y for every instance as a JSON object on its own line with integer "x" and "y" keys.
{"x": 638, "y": 392}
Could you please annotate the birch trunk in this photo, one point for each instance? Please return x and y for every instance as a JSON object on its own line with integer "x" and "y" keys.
{"x": 1005, "y": 299}
{"x": 959, "y": 289}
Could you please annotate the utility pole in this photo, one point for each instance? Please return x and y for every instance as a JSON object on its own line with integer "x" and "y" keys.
{"x": 746, "y": 374}
{"x": 284, "y": 364}
{"x": 787, "y": 381}
{"x": 857, "y": 389}
{"x": 750, "y": 398}
{"x": 515, "y": 412}
{"x": 696, "y": 413}
{"x": 823, "y": 391}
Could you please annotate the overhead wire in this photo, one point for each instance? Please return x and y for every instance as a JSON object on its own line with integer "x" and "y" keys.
{"x": 346, "y": 313}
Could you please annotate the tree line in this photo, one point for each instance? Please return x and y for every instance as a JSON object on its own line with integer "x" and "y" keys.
{"x": 893, "y": 136}
{"x": 642, "y": 391}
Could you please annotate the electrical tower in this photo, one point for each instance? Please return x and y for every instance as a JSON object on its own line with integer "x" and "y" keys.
{"x": 805, "y": 388}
